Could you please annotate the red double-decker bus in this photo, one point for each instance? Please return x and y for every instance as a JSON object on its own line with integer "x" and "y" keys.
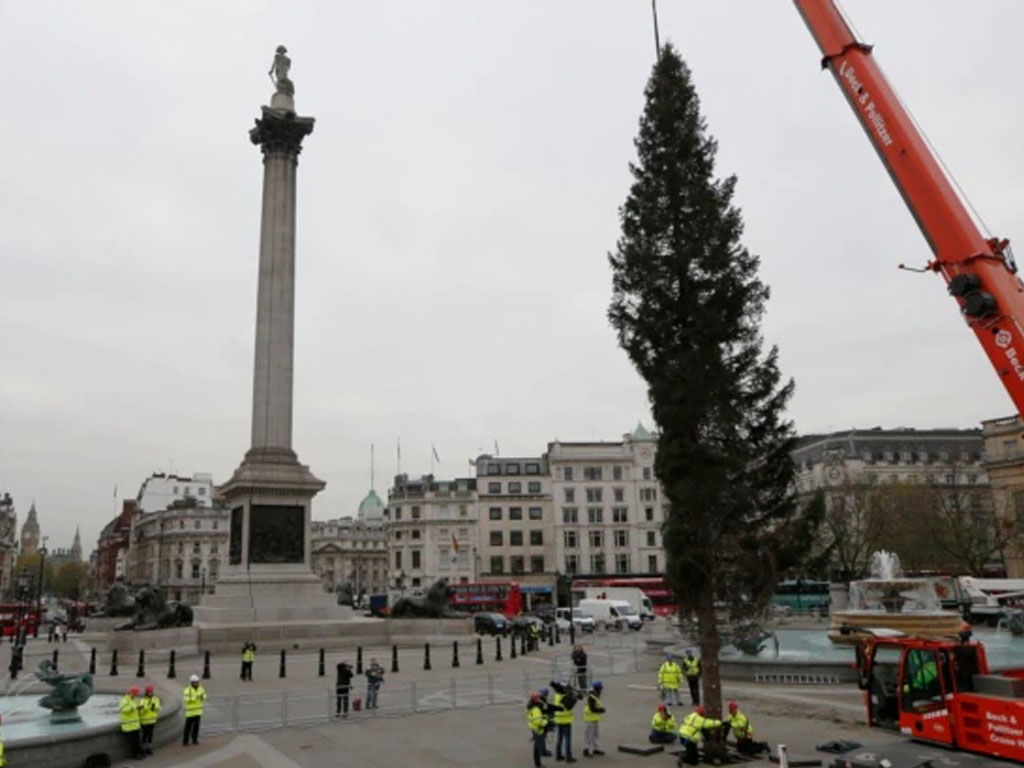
{"x": 14, "y": 616}
{"x": 662, "y": 600}
{"x": 493, "y": 597}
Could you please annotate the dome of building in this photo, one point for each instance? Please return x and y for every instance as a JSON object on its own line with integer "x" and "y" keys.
{"x": 371, "y": 506}
{"x": 641, "y": 432}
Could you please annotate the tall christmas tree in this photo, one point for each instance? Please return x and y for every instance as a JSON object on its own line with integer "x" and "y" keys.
{"x": 687, "y": 305}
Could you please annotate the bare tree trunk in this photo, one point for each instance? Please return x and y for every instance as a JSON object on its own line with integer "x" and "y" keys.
{"x": 707, "y": 632}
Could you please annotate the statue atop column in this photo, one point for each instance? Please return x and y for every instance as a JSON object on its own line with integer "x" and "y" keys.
{"x": 279, "y": 72}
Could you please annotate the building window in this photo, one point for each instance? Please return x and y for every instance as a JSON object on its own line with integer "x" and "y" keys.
{"x": 195, "y": 570}
{"x": 398, "y": 561}
{"x": 511, "y": 469}
{"x": 597, "y": 563}
{"x": 570, "y": 495}
{"x": 536, "y": 563}
{"x": 415, "y": 533}
{"x": 596, "y": 539}
{"x": 536, "y": 513}
{"x": 497, "y": 564}
{"x": 202, "y": 490}
{"x": 616, "y": 472}
{"x": 572, "y": 563}
{"x": 516, "y": 563}
{"x": 622, "y": 563}
{"x": 536, "y": 538}
{"x": 515, "y": 513}
{"x": 652, "y": 563}
{"x": 398, "y": 513}
{"x": 494, "y": 487}
{"x": 567, "y": 474}
{"x": 398, "y": 535}
{"x": 415, "y": 581}
{"x": 620, "y": 514}
{"x": 652, "y": 539}
{"x": 570, "y": 539}
{"x": 175, "y": 490}
{"x": 181, "y": 525}
{"x": 197, "y": 548}
{"x": 515, "y": 538}
{"x": 216, "y": 524}
{"x": 415, "y": 513}
{"x": 181, "y": 547}
{"x": 570, "y": 515}
{"x": 494, "y": 513}
{"x": 515, "y": 487}
{"x": 593, "y": 494}
{"x": 592, "y": 473}
{"x": 621, "y": 538}
{"x": 533, "y": 469}
{"x": 493, "y": 468}
{"x": 647, "y": 473}
{"x": 179, "y": 570}
{"x": 620, "y": 493}
{"x": 533, "y": 486}
{"x": 649, "y": 514}
{"x": 463, "y": 510}
{"x": 496, "y": 539}
{"x": 416, "y": 557}
{"x": 595, "y": 515}
{"x": 199, "y": 524}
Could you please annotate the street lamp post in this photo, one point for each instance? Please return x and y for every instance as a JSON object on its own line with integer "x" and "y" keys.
{"x": 39, "y": 591}
{"x": 24, "y": 580}
{"x": 204, "y": 581}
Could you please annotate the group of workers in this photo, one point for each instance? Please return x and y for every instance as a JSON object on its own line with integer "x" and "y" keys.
{"x": 139, "y": 716}
{"x": 544, "y": 715}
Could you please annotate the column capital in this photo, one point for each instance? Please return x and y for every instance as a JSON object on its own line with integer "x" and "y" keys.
{"x": 281, "y": 131}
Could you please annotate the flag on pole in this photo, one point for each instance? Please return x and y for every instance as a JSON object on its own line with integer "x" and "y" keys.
{"x": 433, "y": 450}
{"x": 455, "y": 548}
{"x": 497, "y": 452}
{"x": 115, "y": 490}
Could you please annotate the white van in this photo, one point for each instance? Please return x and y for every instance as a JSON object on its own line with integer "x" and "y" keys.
{"x": 615, "y": 614}
{"x": 584, "y": 621}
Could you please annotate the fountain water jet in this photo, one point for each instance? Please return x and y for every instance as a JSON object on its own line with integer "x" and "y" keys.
{"x": 894, "y": 602}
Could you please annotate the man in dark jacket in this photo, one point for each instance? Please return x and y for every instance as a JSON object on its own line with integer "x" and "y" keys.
{"x": 579, "y": 661}
{"x": 342, "y": 686}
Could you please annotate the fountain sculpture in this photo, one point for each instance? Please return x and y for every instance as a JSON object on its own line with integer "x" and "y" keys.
{"x": 890, "y": 601}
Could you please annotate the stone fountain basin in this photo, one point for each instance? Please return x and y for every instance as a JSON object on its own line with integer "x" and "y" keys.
{"x": 927, "y": 624}
{"x": 35, "y": 736}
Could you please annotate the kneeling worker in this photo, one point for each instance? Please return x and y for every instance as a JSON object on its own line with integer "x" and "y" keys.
{"x": 663, "y": 727}
{"x": 740, "y": 725}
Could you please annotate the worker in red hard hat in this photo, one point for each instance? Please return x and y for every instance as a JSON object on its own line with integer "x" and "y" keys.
{"x": 663, "y": 727}
{"x": 149, "y": 713}
{"x": 742, "y": 728}
{"x": 692, "y": 732}
{"x": 129, "y": 712}
{"x": 537, "y": 720}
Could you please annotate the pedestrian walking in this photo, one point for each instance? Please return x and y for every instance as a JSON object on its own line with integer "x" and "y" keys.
{"x": 663, "y": 727}
{"x": 374, "y": 680}
{"x": 579, "y": 661}
{"x": 562, "y": 704}
{"x": 129, "y": 711}
{"x": 592, "y": 712}
{"x": 342, "y": 687}
{"x": 670, "y": 677}
{"x": 533, "y": 636}
{"x": 149, "y": 713}
{"x": 248, "y": 657}
{"x": 194, "y": 696}
{"x": 691, "y": 666}
{"x": 537, "y": 720}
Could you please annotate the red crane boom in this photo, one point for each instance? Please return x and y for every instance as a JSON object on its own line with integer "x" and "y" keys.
{"x": 979, "y": 271}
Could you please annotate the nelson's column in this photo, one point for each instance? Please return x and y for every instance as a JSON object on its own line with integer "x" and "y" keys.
{"x": 268, "y": 577}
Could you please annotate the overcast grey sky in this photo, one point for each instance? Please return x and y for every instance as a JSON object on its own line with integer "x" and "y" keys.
{"x": 456, "y": 204}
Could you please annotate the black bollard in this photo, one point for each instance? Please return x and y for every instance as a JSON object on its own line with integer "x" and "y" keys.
{"x": 49, "y": 634}
{"x": 479, "y": 651}
{"x": 15, "y": 661}
{"x": 426, "y": 657}
{"x": 359, "y": 659}
{"x": 394, "y": 658}
{"x": 524, "y": 646}
{"x": 206, "y": 665}
{"x": 141, "y": 671}
{"x": 551, "y": 638}
{"x": 170, "y": 667}
{"x": 558, "y": 634}
{"x": 497, "y": 642}
{"x": 113, "y": 663}
{"x": 56, "y": 655}
{"x": 455, "y": 653}
{"x": 572, "y": 633}
{"x": 320, "y": 669}
{"x": 281, "y": 670}
{"x": 512, "y": 648}
{"x": 92, "y": 662}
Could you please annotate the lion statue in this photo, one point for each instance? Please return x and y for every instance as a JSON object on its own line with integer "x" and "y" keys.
{"x": 436, "y": 604}
{"x": 153, "y": 612}
{"x": 118, "y": 600}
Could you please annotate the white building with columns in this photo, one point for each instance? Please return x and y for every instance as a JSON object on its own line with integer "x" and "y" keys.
{"x": 353, "y": 549}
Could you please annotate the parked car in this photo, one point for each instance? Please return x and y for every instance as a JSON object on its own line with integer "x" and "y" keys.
{"x": 490, "y": 624}
{"x": 584, "y": 621}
